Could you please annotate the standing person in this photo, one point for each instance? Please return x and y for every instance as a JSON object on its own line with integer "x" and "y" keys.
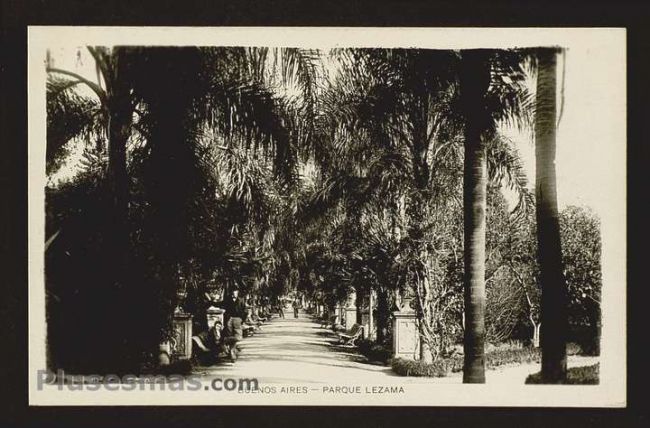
{"x": 233, "y": 319}
{"x": 280, "y": 306}
{"x": 233, "y": 305}
{"x": 296, "y": 306}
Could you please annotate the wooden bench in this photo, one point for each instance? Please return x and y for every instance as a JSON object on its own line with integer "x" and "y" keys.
{"x": 350, "y": 338}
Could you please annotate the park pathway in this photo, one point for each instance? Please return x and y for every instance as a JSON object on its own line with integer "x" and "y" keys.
{"x": 299, "y": 350}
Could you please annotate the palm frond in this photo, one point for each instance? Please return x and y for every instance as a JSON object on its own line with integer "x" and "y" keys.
{"x": 509, "y": 99}
{"x": 70, "y": 116}
{"x": 247, "y": 113}
{"x": 506, "y": 167}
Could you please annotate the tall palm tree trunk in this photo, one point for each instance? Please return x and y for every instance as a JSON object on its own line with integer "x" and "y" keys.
{"x": 383, "y": 314}
{"x": 114, "y": 331}
{"x": 118, "y": 182}
{"x": 474, "y": 82}
{"x": 554, "y": 290}
{"x": 120, "y": 111}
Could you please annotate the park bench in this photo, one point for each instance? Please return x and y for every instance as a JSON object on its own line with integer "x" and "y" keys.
{"x": 349, "y": 338}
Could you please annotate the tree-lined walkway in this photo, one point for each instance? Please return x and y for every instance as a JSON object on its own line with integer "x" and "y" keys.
{"x": 298, "y": 350}
{"x": 323, "y": 173}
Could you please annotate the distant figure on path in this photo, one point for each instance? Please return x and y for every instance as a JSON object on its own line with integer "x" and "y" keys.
{"x": 280, "y": 305}
{"x": 296, "y": 305}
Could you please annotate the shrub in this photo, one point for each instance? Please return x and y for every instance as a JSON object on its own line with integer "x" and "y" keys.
{"x": 439, "y": 368}
{"x": 573, "y": 349}
{"x": 374, "y": 351}
{"x": 364, "y": 346}
{"x": 587, "y": 375}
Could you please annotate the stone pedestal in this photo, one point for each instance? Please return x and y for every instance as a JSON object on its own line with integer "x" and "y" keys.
{"x": 406, "y": 338}
{"x": 350, "y": 317}
{"x": 338, "y": 312}
{"x": 181, "y": 342}
{"x": 214, "y": 315}
{"x": 365, "y": 322}
{"x": 367, "y": 318}
{"x": 350, "y": 310}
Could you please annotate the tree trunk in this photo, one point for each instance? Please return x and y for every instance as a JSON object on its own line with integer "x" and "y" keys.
{"x": 554, "y": 292}
{"x": 416, "y": 210}
{"x": 474, "y": 82}
{"x": 359, "y": 305}
{"x": 116, "y": 331}
{"x": 371, "y": 318}
{"x": 536, "y": 329}
{"x": 118, "y": 184}
{"x": 383, "y": 314}
{"x": 425, "y": 351}
{"x": 119, "y": 130}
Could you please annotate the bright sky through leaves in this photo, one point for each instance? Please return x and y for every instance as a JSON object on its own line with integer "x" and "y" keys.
{"x": 584, "y": 138}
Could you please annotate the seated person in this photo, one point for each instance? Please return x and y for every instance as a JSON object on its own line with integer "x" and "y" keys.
{"x": 208, "y": 342}
{"x": 252, "y": 319}
{"x": 266, "y": 312}
{"x": 199, "y": 305}
{"x": 259, "y": 318}
{"x": 249, "y": 325}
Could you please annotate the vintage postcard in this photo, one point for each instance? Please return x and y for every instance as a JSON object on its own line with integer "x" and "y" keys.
{"x": 327, "y": 216}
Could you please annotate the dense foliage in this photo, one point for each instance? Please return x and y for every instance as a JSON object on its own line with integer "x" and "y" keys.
{"x": 334, "y": 174}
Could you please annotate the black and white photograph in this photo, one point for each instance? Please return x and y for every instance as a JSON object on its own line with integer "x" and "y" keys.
{"x": 327, "y": 216}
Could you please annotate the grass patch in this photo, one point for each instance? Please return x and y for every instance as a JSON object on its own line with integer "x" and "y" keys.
{"x": 497, "y": 357}
{"x": 587, "y": 375}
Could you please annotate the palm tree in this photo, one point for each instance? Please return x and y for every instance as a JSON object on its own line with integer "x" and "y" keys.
{"x": 115, "y": 107}
{"x": 174, "y": 103}
{"x": 554, "y": 290}
{"x": 217, "y": 97}
{"x": 232, "y": 82}
{"x": 109, "y": 117}
{"x": 474, "y": 82}
{"x": 394, "y": 120}
{"x": 491, "y": 92}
